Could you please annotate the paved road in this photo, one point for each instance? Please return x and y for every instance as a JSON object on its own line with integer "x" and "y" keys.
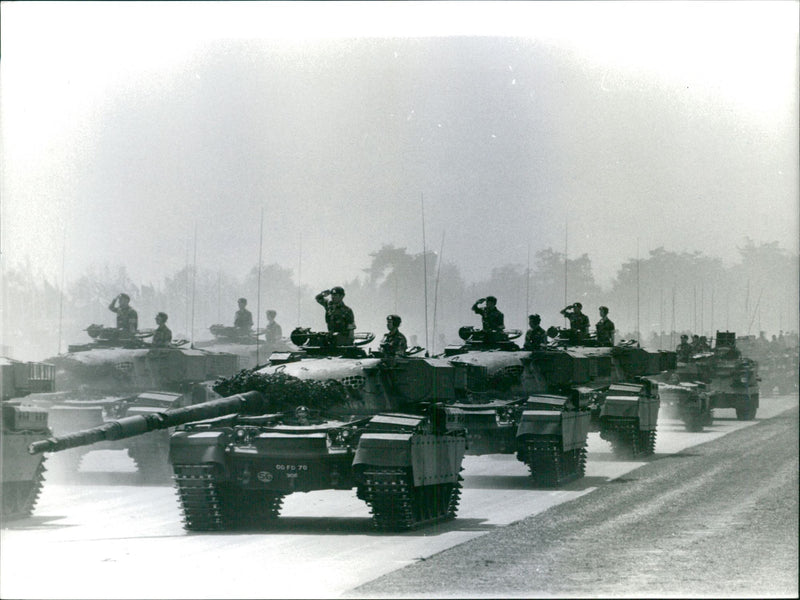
{"x": 96, "y": 539}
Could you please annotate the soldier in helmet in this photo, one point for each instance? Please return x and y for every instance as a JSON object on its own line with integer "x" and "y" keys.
{"x": 490, "y": 315}
{"x": 338, "y": 316}
{"x": 578, "y": 322}
{"x": 535, "y": 337}
{"x": 695, "y": 344}
{"x": 127, "y": 318}
{"x": 393, "y": 342}
{"x": 243, "y": 319}
{"x": 684, "y": 349}
{"x": 604, "y": 328}
{"x": 162, "y": 336}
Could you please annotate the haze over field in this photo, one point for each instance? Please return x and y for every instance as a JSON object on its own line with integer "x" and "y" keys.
{"x": 610, "y": 129}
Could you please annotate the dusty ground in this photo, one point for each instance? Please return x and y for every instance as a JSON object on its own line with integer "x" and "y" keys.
{"x": 715, "y": 520}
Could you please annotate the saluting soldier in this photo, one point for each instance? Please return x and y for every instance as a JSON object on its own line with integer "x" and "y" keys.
{"x": 338, "y": 316}
{"x": 578, "y": 322}
{"x": 490, "y": 315}
{"x": 127, "y": 317}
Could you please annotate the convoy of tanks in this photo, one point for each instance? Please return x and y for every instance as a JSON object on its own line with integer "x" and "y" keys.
{"x": 317, "y": 414}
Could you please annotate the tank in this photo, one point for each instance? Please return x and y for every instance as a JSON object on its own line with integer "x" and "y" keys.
{"x": 22, "y": 424}
{"x": 250, "y": 349}
{"x": 113, "y": 376}
{"x": 777, "y": 362}
{"x": 687, "y": 401}
{"x": 321, "y": 417}
{"x": 734, "y": 379}
{"x": 541, "y": 404}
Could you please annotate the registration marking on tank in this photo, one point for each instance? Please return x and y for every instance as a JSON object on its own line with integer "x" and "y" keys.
{"x": 280, "y": 467}
{"x": 264, "y": 476}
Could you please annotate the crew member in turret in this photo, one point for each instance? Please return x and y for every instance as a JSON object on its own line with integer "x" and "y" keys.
{"x": 162, "y": 336}
{"x": 273, "y": 331}
{"x": 491, "y": 316}
{"x": 684, "y": 349}
{"x": 578, "y": 322}
{"x": 243, "y": 319}
{"x": 393, "y": 342}
{"x": 604, "y": 328}
{"x": 338, "y": 316}
{"x": 127, "y": 318}
{"x": 535, "y": 337}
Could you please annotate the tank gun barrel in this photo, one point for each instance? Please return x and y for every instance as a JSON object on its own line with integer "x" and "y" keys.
{"x": 245, "y": 403}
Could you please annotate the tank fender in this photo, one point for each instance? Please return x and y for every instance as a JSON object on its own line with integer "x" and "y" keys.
{"x": 198, "y": 447}
{"x": 571, "y": 426}
{"x": 433, "y": 459}
{"x": 643, "y": 408}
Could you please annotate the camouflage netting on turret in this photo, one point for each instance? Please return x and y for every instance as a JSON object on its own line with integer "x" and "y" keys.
{"x": 284, "y": 392}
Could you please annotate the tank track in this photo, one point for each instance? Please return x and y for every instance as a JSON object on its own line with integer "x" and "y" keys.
{"x": 20, "y": 497}
{"x": 550, "y": 466}
{"x": 209, "y": 504}
{"x": 627, "y": 440}
{"x": 397, "y": 505}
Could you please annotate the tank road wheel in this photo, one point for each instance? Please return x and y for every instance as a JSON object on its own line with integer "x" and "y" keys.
{"x": 200, "y": 497}
{"x": 19, "y": 497}
{"x": 397, "y": 505}
{"x": 549, "y": 465}
{"x": 152, "y": 462}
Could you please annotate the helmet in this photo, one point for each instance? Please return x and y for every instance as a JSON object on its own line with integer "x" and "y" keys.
{"x": 337, "y": 290}
{"x": 491, "y": 299}
{"x": 271, "y": 313}
{"x": 162, "y": 315}
{"x": 604, "y": 309}
{"x": 578, "y": 305}
{"x": 242, "y": 300}
{"x": 684, "y": 336}
{"x": 395, "y": 319}
{"x": 124, "y": 296}
{"x": 536, "y": 318}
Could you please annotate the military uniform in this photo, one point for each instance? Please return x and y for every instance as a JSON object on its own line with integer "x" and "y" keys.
{"x": 273, "y": 333}
{"x": 162, "y": 336}
{"x": 127, "y": 318}
{"x": 493, "y": 319}
{"x": 578, "y": 323}
{"x": 605, "y": 331}
{"x": 535, "y": 338}
{"x": 243, "y": 319}
{"x": 684, "y": 351}
{"x": 394, "y": 344}
{"x": 338, "y": 316}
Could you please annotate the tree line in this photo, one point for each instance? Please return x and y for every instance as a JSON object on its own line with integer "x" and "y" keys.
{"x": 652, "y": 299}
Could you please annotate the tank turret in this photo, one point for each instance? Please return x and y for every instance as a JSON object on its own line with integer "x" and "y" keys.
{"x": 324, "y": 417}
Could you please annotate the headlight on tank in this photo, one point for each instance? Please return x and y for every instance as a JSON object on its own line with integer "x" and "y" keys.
{"x": 241, "y": 436}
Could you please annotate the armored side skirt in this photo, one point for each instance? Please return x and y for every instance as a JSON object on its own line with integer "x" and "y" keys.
{"x": 641, "y": 409}
{"x": 571, "y": 427}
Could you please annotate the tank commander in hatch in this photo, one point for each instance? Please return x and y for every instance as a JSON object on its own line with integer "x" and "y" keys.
{"x": 491, "y": 316}
{"x": 243, "y": 319}
{"x": 578, "y": 322}
{"x": 684, "y": 349}
{"x": 393, "y": 342}
{"x": 535, "y": 337}
{"x": 273, "y": 332}
{"x": 127, "y": 318}
{"x": 338, "y": 316}
{"x": 604, "y": 328}
{"x": 162, "y": 336}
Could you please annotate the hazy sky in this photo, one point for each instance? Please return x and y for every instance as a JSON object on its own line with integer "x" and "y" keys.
{"x": 125, "y": 126}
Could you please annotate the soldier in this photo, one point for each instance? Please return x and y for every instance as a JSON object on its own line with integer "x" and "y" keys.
{"x": 127, "y": 318}
{"x": 695, "y": 343}
{"x": 492, "y": 318}
{"x": 684, "y": 349}
{"x": 604, "y": 328}
{"x": 243, "y": 320}
{"x": 704, "y": 345}
{"x": 338, "y": 316}
{"x": 273, "y": 333}
{"x": 393, "y": 342}
{"x": 162, "y": 336}
{"x": 535, "y": 337}
{"x": 578, "y": 322}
